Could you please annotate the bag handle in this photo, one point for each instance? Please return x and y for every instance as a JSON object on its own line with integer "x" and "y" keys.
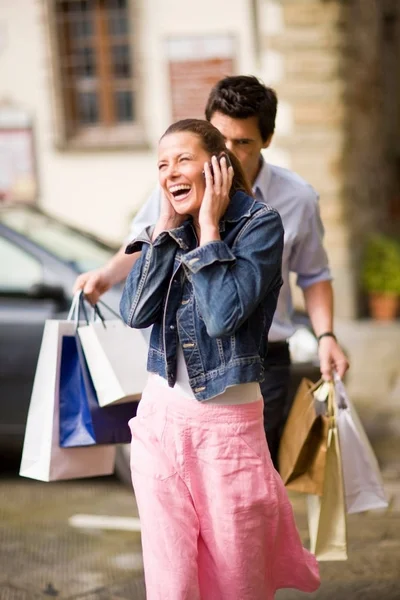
{"x": 112, "y": 311}
{"x": 97, "y": 313}
{"x": 342, "y": 398}
{"x": 326, "y": 404}
{"x": 74, "y": 305}
{"x": 316, "y": 385}
{"x": 331, "y": 404}
{"x": 78, "y": 306}
{"x": 78, "y": 303}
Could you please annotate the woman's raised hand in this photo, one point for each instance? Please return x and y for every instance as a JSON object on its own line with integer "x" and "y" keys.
{"x": 168, "y": 219}
{"x": 216, "y": 198}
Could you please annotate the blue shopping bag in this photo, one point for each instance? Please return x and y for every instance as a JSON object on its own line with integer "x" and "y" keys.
{"x": 82, "y": 421}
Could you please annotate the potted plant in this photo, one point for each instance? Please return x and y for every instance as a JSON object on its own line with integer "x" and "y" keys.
{"x": 381, "y": 275}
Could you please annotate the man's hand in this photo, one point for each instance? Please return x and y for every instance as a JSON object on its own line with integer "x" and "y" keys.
{"x": 319, "y": 304}
{"x": 97, "y": 282}
{"x": 331, "y": 358}
{"x": 93, "y": 284}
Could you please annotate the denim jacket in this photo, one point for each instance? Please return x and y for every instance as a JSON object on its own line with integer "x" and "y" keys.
{"x": 216, "y": 300}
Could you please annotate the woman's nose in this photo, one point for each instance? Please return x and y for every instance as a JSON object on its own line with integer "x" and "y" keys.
{"x": 172, "y": 171}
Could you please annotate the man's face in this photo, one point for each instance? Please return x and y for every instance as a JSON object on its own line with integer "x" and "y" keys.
{"x": 243, "y": 138}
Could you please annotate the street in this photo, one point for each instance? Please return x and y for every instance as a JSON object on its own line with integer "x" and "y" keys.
{"x": 44, "y": 554}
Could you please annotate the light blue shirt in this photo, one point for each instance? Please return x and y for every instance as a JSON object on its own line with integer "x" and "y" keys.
{"x": 303, "y": 254}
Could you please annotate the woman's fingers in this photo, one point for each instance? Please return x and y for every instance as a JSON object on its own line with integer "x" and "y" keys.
{"x": 217, "y": 174}
{"x": 230, "y": 175}
{"x": 207, "y": 175}
{"x": 224, "y": 174}
{"x": 227, "y": 175}
{"x": 218, "y": 177}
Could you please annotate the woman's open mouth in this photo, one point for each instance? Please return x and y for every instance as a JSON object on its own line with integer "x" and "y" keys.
{"x": 180, "y": 192}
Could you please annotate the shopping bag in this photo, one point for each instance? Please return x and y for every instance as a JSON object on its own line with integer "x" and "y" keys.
{"x": 327, "y": 514}
{"x": 82, "y": 421}
{"x": 116, "y": 356}
{"x": 302, "y": 450}
{"x": 42, "y": 456}
{"x": 363, "y": 485}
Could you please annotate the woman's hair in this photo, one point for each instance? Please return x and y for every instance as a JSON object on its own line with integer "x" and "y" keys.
{"x": 213, "y": 142}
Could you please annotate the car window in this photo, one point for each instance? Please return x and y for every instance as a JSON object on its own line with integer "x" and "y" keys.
{"x": 18, "y": 270}
{"x": 73, "y": 247}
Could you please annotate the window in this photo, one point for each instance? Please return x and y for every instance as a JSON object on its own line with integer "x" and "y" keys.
{"x": 18, "y": 270}
{"x": 96, "y": 72}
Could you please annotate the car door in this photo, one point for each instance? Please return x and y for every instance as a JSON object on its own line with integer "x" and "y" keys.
{"x": 22, "y": 317}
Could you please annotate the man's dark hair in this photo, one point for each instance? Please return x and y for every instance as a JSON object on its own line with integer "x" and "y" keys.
{"x": 244, "y": 96}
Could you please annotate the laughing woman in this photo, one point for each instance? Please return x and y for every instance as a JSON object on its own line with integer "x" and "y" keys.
{"x": 216, "y": 520}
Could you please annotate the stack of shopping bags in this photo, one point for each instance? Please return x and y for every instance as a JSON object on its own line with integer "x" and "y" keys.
{"x": 88, "y": 381}
{"x": 325, "y": 454}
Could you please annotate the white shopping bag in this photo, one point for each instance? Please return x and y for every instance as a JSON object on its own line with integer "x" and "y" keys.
{"x": 116, "y": 357}
{"x": 42, "y": 458}
{"x": 363, "y": 483}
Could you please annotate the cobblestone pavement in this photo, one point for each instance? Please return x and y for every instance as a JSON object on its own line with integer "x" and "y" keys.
{"x": 42, "y": 556}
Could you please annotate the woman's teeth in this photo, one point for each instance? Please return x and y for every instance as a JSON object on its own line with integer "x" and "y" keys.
{"x": 180, "y": 192}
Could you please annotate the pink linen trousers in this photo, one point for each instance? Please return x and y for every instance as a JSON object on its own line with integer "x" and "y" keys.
{"x": 216, "y": 520}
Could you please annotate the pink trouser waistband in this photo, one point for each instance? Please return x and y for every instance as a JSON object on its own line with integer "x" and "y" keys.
{"x": 179, "y": 406}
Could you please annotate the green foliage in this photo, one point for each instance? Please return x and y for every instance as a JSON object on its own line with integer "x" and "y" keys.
{"x": 381, "y": 265}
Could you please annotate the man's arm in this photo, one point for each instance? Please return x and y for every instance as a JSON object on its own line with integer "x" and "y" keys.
{"x": 319, "y": 303}
{"x": 309, "y": 260}
{"x": 97, "y": 282}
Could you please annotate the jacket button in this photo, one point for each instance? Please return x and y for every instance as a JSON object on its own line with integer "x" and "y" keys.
{"x": 172, "y": 327}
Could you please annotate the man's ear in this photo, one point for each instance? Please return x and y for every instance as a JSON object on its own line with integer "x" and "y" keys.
{"x": 268, "y": 141}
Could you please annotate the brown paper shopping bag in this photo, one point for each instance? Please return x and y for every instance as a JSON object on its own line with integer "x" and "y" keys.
{"x": 327, "y": 515}
{"x": 302, "y": 451}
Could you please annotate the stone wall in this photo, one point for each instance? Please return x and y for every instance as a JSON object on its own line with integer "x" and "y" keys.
{"x": 335, "y": 66}
{"x": 371, "y": 70}
{"x": 307, "y": 41}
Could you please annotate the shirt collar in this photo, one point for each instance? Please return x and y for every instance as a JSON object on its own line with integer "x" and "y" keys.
{"x": 261, "y": 184}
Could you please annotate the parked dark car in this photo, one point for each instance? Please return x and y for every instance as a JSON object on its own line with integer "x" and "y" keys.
{"x": 40, "y": 257}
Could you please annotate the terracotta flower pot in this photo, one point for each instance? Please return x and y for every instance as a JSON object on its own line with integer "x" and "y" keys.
{"x": 383, "y": 306}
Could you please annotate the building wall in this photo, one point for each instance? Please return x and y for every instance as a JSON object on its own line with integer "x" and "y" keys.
{"x": 298, "y": 53}
{"x": 102, "y": 189}
{"x": 301, "y": 50}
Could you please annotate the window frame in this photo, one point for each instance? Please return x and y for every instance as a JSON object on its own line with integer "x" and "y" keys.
{"x": 119, "y": 136}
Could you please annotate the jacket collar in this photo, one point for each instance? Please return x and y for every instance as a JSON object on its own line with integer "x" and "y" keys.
{"x": 240, "y": 206}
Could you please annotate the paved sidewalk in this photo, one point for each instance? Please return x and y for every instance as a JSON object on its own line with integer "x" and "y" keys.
{"x": 42, "y": 556}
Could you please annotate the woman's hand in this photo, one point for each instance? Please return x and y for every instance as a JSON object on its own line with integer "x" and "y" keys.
{"x": 215, "y": 200}
{"x": 168, "y": 219}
